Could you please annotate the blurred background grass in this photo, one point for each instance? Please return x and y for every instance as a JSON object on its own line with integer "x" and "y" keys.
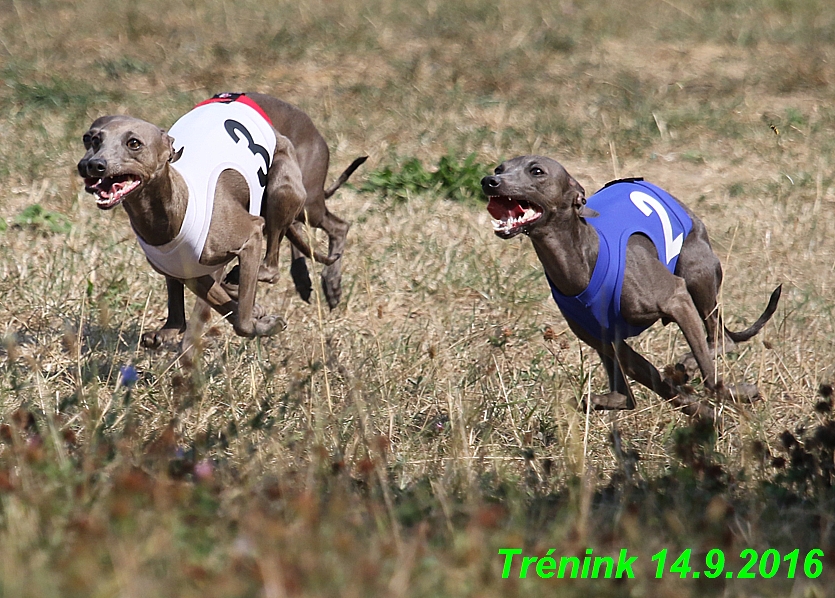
{"x": 394, "y": 445}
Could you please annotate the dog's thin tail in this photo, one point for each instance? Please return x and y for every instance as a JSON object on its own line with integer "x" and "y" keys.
{"x": 344, "y": 176}
{"x": 744, "y": 335}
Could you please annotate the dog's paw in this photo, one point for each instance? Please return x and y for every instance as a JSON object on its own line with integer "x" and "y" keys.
{"x": 740, "y": 393}
{"x": 701, "y": 410}
{"x": 689, "y": 364}
{"x": 332, "y": 284}
{"x": 692, "y": 406}
{"x": 157, "y": 338}
{"x": 327, "y": 260}
{"x": 269, "y": 325}
{"x": 268, "y": 274}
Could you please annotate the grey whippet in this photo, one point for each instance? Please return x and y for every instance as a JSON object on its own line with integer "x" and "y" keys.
{"x": 675, "y": 277}
{"x": 134, "y": 163}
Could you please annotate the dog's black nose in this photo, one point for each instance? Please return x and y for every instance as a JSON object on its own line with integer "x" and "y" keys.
{"x": 95, "y": 167}
{"x": 490, "y": 182}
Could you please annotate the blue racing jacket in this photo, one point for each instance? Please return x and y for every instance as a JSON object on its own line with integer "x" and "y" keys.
{"x": 626, "y": 207}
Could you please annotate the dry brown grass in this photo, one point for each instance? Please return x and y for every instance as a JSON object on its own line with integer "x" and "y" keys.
{"x": 446, "y": 429}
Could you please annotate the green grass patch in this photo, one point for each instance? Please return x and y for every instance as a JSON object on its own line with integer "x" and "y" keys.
{"x": 38, "y": 218}
{"x": 56, "y": 93}
{"x": 124, "y": 66}
{"x": 452, "y": 178}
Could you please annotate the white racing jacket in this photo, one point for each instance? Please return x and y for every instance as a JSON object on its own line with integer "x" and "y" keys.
{"x": 229, "y": 131}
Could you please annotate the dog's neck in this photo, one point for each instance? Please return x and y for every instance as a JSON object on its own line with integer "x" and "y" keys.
{"x": 157, "y": 210}
{"x": 568, "y": 252}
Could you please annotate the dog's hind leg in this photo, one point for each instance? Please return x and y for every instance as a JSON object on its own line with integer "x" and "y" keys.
{"x": 677, "y": 305}
{"x": 284, "y": 198}
{"x": 295, "y": 235}
{"x": 300, "y": 274}
{"x": 701, "y": 270}
{"x": 337, "y": 230}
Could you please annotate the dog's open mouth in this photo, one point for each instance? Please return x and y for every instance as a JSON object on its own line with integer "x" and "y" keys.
{"x": 512, "y": 216}
{"x": 111, "y": 190}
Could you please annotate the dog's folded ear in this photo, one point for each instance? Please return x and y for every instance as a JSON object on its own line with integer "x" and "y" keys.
{"x": 576, "y": 189}
{"x": 173, "y": 155}
{"x": 578, "y": 199}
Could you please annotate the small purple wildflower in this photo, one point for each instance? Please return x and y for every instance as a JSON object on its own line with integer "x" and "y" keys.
{"x": 129, "y": 375}
{"x": 203, "y": 470}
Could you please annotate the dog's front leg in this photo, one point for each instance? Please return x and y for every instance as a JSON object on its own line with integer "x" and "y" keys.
{"x": 247, "y": 322}
{"x": 619, "y": 395}
{"x": 209, "y": 289}
{"x": 175, "y": 324}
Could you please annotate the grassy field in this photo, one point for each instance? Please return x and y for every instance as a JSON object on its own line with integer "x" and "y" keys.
{"x": 393, "y": 446}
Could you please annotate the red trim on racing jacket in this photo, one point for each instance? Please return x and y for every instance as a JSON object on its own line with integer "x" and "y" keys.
{"x": 228, "y": 97}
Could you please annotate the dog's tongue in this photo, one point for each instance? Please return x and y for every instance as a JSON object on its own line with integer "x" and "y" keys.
{"x": 503, "y": 208}
{"x": 115, "y": 187}
{"x": 112, "y": 186}
{"x": 110, "y": 191}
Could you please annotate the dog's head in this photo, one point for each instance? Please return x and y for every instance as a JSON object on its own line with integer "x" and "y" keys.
{"x": 123, "y": 155}
{"x": 528, "y": 192}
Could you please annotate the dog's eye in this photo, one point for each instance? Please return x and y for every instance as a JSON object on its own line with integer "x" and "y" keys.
{"x": 134, "y": 143}
{"x": 87, "y": 141}
{"x": 537, "y": 171}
